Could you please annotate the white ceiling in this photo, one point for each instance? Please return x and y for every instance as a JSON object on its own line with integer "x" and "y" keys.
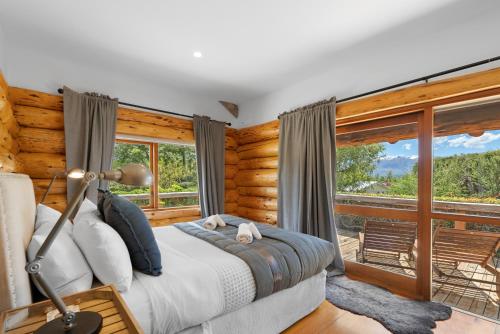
{"x": 250, "y": 48}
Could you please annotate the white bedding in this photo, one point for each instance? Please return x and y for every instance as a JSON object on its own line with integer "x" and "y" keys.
{"x": 199, "y": 282}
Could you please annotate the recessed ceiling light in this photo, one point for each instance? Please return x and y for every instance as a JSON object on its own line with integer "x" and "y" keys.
{"x": 197, "y": 54}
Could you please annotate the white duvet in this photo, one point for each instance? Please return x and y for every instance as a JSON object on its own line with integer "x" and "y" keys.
{"x": 199, "y": 282}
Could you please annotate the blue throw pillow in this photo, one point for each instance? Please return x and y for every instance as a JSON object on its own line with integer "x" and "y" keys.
{"x": 133, "y": 226}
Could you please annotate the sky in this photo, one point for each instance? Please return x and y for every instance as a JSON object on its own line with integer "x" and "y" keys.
{"x": 447, "y": 146}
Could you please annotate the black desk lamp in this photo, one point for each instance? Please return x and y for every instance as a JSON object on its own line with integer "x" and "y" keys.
{"x": 79, "y": 322}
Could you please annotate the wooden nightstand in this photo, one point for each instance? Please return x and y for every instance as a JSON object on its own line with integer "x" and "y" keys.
{"x": 106, "y": 300}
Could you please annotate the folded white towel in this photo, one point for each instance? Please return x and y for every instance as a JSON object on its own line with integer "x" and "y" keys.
{"x": 210, "y": 223}
{"x": 220, "y": 221}
{"x": 255, "y": 232}
{"x": 244, "y": 234}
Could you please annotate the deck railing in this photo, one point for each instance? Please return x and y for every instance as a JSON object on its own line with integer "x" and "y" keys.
{"x": 408, "y": 203}
{"x": 181, "y": 194}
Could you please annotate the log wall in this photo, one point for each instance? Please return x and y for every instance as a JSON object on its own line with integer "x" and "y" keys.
{"x": 257, "y": 176}
{"x": 37, "y": 139}
{"x": 9, "y": 131}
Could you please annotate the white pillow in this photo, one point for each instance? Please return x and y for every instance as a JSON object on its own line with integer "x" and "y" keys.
{"x": 47, "y": 215}
{"x": 103, "y": 247}
{"x": 64, "y": 266}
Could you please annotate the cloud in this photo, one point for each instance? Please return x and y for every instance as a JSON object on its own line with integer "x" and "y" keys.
{"x": 389, "y": 157}
{"x": 440, "y": 140}
{"x": 407, "y": 147}
{"x": 413, "y": 157}
{"x": 473, "y": 142}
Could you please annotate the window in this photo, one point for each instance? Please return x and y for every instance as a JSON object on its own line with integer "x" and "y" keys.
{"x": 174, "y": 171}
{"x": 466, "y": 150}
{"x": 377, "y": 163}
{"x": 177, "y": 175}
{"x": 133, "y": 152}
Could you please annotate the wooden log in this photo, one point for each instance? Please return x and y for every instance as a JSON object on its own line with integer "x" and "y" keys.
{"x": 259, "y": 191}
{"x": 231, "y": 196}
{"x": 28, "y": 97}
{"x": 232, "y": 132}
{"x": 41, "y": 140}
{"x": 257, "y": 178}
{"x": 6, "y": 140}
{"x": 229, "y": 184}
{"x": 230, "y": 208}
{"x": 55, "y": 201}
{"x": 266, "y": 131}
{"x": 269, "y": 149}
{"x": 173, "y": 213}
{"x": 253, "y": 145}
{"x": 58, "y": 187}
{"x": 230, "y": 143}
{"x": 259, "y": 163}
{"x": 126, "y": 114}
{"x": 36, "y": 117}
{"x": 231, "y": 157}
{"x": 8, "y": 119}
{"x": 170, "y": 221}
{"x": 258, "y": 202}
{"x": 42, "y": 165}
{"x": 230, "y": 171}
{"x": 263, "y": 216}
{"x": 3, "y": 84}
{"x": 8, "y": 161}
{"x": 154, "y": 131}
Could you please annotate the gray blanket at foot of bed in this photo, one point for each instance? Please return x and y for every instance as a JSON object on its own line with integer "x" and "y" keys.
{"x": 278, "y": 261}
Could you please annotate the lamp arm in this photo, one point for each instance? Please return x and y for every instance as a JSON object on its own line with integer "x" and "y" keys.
{"x": 34, "y": 267}
{"x": 88, "y": 178}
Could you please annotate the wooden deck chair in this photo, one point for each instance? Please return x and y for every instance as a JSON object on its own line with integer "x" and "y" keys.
{"x": 453, "y": 246}
{"x": 387, "y": 240}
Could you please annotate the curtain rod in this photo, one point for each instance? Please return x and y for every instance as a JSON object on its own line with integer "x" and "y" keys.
{"x": 424, "y": 78}
{"x": 60, "y": 91}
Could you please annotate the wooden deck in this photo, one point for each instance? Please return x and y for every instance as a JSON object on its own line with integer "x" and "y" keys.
{"x": 465, "y": 297}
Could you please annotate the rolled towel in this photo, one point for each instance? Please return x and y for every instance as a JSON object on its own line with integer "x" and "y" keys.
{"x": 244, "y": 234}
{"x": 220, "y": 221}
{"x": 210, "y": 223}
{"x": 255, "y": 231}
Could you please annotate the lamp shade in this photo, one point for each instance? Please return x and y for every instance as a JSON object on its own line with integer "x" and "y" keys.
{"x": 75, "y": 173}
{"x": 130, "y": 174}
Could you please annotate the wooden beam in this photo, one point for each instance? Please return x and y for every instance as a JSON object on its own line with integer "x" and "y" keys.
{"x": 424, "y": 206}
{"x": 231, "y": 107}
{"x": 416, "y": 94}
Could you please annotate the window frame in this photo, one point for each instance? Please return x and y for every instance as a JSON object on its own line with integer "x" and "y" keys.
{"x": 154, "y": 196}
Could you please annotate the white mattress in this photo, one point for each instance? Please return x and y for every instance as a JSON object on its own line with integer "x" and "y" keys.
{"x": 207, "y": 290}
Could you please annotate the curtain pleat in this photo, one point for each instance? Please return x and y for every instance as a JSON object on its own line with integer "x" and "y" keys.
{"x": 306, "y": 179}
{"x": 89, "y": 129}
{"x": 209, "y": 138}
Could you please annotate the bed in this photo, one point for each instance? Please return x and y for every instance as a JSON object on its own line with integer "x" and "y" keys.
{"x": 174, "y": 301}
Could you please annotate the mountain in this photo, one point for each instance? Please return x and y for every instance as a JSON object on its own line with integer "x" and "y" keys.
{"x": 398, "y": 165}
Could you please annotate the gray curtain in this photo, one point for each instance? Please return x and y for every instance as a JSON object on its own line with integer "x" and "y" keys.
{"x": 209, "y": 137}
{"x": 89, "y": 129}
{"x": 307, "y": 173}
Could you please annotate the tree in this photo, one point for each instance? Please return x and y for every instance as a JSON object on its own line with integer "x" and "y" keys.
{"x": 356, "y": 164}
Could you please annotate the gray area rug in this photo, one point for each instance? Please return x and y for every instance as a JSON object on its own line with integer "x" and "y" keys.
{"x": 399, "y": 315}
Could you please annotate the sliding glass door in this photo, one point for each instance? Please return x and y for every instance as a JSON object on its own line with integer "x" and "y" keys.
{"x": 377, "y": 199}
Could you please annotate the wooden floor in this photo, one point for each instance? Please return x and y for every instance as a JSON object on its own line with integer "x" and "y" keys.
{"x": 330, "y": 319}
